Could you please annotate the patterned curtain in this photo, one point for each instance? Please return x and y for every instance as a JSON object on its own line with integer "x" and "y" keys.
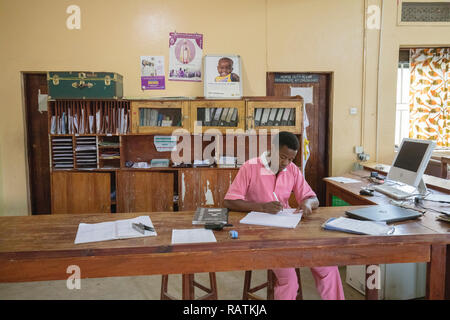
{"x": 429, "y": 107}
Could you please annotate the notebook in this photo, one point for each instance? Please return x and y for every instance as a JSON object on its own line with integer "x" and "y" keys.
{"x": 210, "y": 215}
{"x": 387, "y": 213}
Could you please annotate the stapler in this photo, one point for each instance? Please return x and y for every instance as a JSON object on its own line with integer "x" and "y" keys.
{"x": 140, "y": 227}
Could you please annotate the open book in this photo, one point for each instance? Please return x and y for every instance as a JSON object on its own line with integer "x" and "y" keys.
{"x": 111, "y": 230}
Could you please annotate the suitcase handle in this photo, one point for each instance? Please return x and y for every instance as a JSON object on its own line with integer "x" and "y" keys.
{"x": 82, "y": 84}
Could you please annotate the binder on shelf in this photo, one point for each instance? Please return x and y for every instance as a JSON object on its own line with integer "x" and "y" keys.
{"x": 223, "y": 118}
{"x": 273, "y": 112}
{"x": 217, "y": 115}
{"x": 258, "y": 114}
{"x": 292, "y": 118}
{"x": 153, "y": 117}
{"x": 265, "y": 117}
{"x": 207, "y": 116}
{"x": 228, "y": 121}
{"x": 278, "y": 117}
{"x": 286, "y": 115}
{"x": 234, "y": 117}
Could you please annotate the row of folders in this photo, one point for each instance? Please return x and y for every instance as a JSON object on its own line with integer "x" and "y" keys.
{"x": 90, "y": 117}
{"x": 216, "y": 117}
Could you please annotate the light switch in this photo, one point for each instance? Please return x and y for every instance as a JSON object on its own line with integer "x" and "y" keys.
{"x": 353, "y": 110}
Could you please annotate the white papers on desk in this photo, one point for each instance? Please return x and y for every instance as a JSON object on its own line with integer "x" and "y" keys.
{"x": 192, "y": 236}
{"x": 284, "y": 219}
{"x": 358, "y": 226}
{"x": 343, "y": 180}
{"x": 111, "y": 230}
{"x": 438, "y": 197}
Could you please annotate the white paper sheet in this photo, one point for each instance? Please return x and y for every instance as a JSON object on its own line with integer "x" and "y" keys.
{"x": 192, "y": 236}
{"x": 438, "y": 197}
{"x": 305, "y": 92}
{"x": 284, "y": 219}
{"x": 343, "y": 180}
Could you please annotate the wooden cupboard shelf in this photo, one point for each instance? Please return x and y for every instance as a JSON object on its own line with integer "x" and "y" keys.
{"x": 162, "y": 188}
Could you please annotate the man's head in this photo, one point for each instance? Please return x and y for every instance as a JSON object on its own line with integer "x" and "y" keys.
{"x": 288, "y": 146}
{"x": 225, "y": 66}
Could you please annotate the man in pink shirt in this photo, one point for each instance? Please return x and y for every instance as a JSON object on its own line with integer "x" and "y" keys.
{"x": 265, "y": 184}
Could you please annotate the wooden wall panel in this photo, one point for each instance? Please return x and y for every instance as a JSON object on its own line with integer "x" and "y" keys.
{"x": 204, "y": 187}
{"x": 144, "y": 191}
{"x": 80, "y": 192}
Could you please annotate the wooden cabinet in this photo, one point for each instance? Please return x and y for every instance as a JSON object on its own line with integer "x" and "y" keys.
{"x": 144, "y": 191}
{"x": 161, "y": 117}
{"x": 284, "y": 115}
{"x": 99, "y": 149}
{"x": 203, "y": 187}
{"x": 81, "y": 192}
{"x": 220, "y": 115}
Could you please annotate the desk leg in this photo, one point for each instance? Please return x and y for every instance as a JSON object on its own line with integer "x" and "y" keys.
{"x": 436, "y": 272}
{"x": 187, "y": 287}
{"x": 447, "y": 274}
{"x": 372, "y": 294}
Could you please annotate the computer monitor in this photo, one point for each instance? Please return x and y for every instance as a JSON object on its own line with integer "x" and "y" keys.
{"x": 411, "y": 161}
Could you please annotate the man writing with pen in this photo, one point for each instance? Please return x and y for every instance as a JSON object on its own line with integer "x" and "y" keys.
{"x": 264, "y": 184}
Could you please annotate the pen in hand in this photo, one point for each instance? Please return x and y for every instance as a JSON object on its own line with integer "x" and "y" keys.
{"x": 276, "y": 198}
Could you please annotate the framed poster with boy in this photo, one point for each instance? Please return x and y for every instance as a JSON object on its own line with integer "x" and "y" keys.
{"x": 222, "y": 76}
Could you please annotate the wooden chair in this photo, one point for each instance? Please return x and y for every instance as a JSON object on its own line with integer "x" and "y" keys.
{"x": 249, "y": 293}
{"x": 188, "y": 288}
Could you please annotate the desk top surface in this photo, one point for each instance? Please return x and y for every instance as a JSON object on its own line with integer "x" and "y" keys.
{"x": 44, "y": 236}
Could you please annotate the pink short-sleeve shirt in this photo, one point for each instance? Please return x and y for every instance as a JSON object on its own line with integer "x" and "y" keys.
{"x": 255, "y": 182}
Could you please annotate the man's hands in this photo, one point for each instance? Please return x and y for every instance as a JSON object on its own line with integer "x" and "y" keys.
{"x": 271, "y": 207}
{"x": 308, "y": 205}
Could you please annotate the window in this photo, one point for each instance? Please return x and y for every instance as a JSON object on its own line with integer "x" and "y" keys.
{"x": 402, "y": 110}
{"x": 423, "y": 102}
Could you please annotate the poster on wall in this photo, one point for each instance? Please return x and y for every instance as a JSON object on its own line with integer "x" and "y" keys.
{"x": 185, "y": 56}
{"x": 223, "y": 76}
{"x": 152, "y": 73}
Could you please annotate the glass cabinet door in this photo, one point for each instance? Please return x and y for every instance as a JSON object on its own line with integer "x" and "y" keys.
{"x": 217, "y": 114}
{"x": 281, "y": 115}
{"x": 159, "y": 116}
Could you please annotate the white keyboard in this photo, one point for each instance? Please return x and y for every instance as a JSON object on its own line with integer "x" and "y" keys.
{"x": 393, "y": 192}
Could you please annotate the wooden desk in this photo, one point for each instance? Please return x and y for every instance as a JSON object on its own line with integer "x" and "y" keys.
{"x": 349, "y": 192}
{"x": 36, "y": 248}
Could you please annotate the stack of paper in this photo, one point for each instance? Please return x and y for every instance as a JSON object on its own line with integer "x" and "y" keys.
{"x": 111, "y": 230}
{"x": 192, "y": 236}
{"x": 343, "y": 180}
{"x": 284, "y": 219}
{"x": 358, "y": 226}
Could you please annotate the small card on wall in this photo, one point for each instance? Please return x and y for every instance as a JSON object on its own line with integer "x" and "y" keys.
{"x": 152, "y": 73}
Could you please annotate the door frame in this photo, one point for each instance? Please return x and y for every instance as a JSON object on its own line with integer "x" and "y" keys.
{"x": 27, "y": 154}
{"x": 329, "y": 103}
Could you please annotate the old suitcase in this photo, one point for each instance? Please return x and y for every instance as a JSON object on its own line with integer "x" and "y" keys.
{"x": 83, "y": 85}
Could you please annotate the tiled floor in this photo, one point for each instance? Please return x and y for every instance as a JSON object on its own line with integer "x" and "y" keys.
{"x": 230, "y": 285}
